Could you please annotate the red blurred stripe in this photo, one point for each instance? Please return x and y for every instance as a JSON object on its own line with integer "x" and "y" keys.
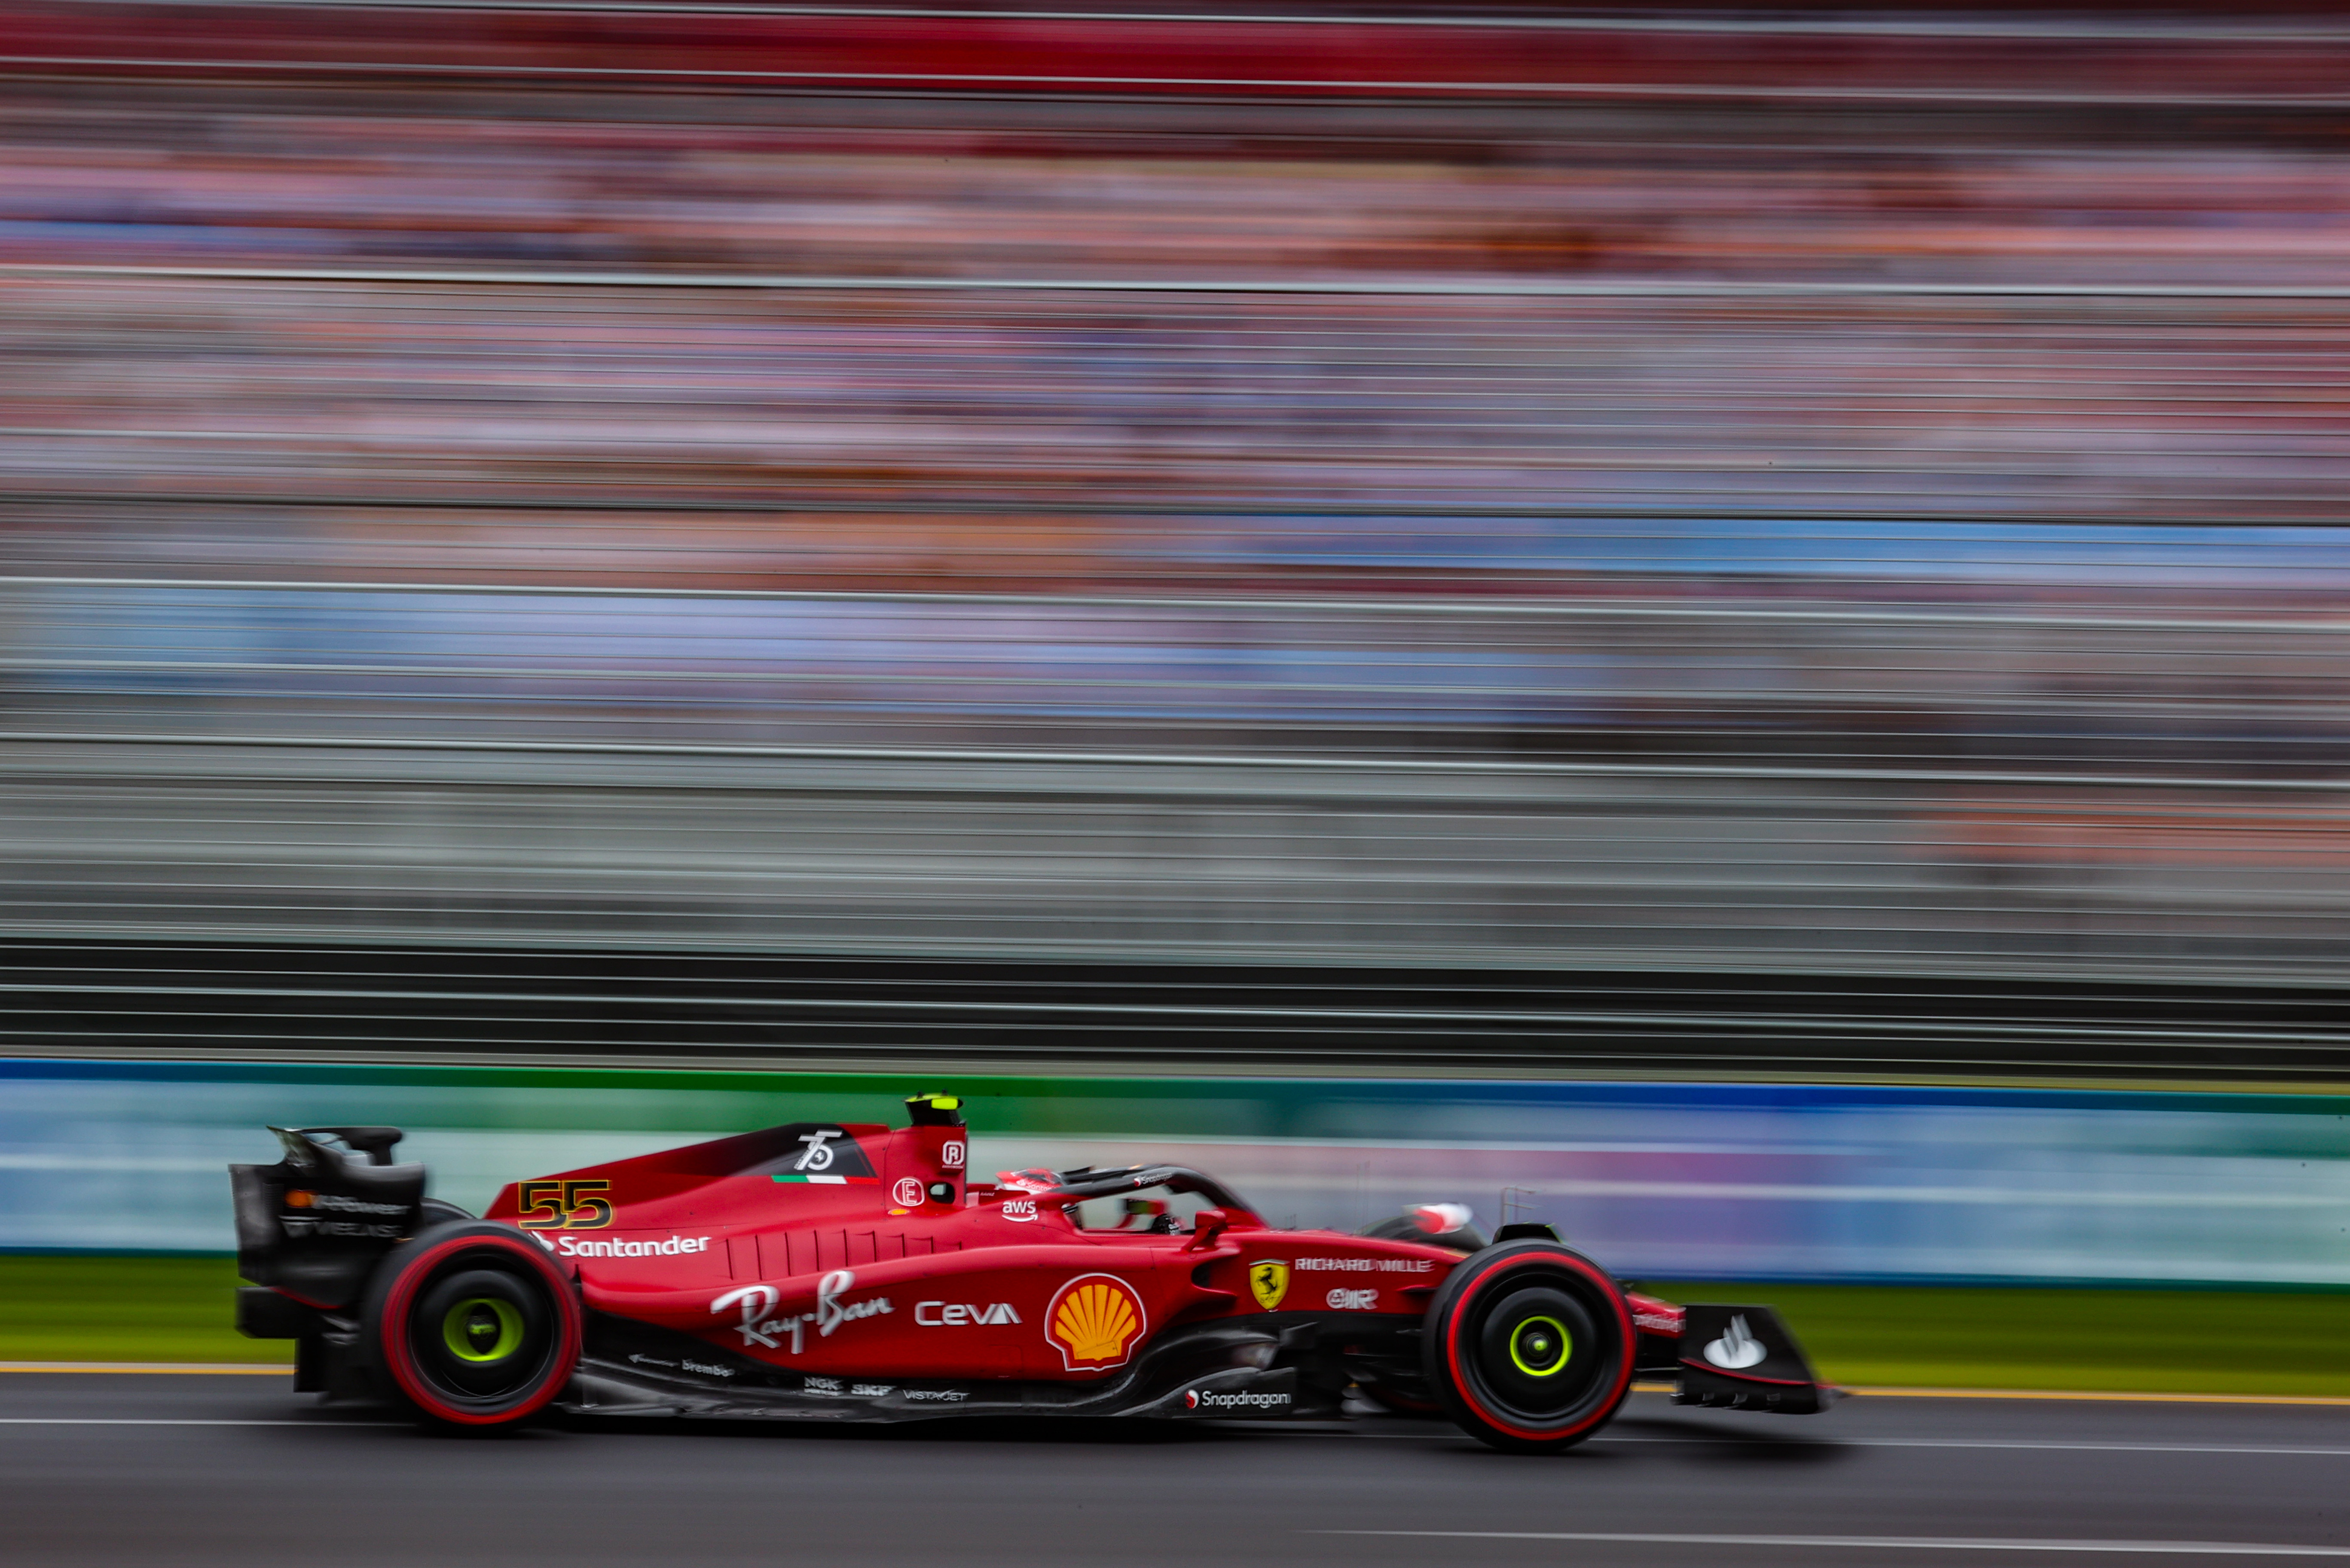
{"x": 1047, "y": 55}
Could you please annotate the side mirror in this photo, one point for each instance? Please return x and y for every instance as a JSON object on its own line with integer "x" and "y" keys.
{"x": 1206, "y": 1227}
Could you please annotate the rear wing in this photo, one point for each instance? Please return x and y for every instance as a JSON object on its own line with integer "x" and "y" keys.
{"x": 314, "y": 1225}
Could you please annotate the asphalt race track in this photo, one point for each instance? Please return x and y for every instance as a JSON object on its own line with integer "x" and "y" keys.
{"x": 195, "y": 1470}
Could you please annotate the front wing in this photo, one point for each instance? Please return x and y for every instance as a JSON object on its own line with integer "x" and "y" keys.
{"x": 1741, "y": 1358}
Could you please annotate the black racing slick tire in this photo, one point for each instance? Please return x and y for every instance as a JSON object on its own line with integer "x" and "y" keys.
{"x": 473, "y": 1324}
{"x": 1529, "y": 1346}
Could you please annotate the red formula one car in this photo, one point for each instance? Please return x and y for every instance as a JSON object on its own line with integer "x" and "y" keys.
{"x": 851, "y": 1272}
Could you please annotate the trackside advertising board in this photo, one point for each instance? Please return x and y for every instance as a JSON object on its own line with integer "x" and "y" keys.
{"x": 1761, "y": 1181}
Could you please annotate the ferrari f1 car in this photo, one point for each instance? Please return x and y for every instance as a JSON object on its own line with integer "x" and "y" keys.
{"x": 823, "y": 1272}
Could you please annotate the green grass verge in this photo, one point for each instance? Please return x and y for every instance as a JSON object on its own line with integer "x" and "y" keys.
{"x": 82, "y": 1308}
{"x": 2168, "y": 1342}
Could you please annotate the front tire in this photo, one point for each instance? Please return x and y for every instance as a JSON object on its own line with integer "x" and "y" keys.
{"x": 1529, "y": 1347}
{"x": 472, "y": 1324}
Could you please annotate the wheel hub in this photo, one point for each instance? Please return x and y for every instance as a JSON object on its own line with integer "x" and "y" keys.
{"x": 1541, "y": 1347}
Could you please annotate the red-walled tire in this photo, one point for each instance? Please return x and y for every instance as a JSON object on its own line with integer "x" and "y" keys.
{"x": 473, "y": 1324}
{"x": 1529, "y": 1346}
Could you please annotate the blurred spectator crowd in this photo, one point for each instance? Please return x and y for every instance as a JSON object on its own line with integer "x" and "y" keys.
{"x": 1521, "y": 342}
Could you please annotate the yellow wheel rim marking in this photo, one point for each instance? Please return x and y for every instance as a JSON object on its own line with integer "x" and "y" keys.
{"x": 458, "y": 1329}
{"x": 1540, "y": 1346}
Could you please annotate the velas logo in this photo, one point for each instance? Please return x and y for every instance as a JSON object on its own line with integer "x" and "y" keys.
{"x": 1268, "y": 1283}
{"x": 1095, "y": 1320}
{"x": 300, "y": 1226}
{"x": 335, "y": 1202}
{"x": 1737, "y": 1348}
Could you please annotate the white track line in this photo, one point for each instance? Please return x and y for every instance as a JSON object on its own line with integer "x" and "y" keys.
{"x": 1995, "y": 1443}
{"x": 1733, "y": 1440}
{"x": 1690, "y": 1441}
{"x": 168, "y": 1422}
{"x": 1879, "y": 1542}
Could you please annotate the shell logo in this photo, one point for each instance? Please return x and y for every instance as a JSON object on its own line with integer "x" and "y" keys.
{"x": 1094, "y": 1321}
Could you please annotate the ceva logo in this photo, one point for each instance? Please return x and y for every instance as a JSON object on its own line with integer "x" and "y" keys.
{"x": 964, "y": 1314}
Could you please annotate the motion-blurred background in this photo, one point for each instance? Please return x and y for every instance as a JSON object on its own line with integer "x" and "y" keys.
{"x": 1737, "y": 617}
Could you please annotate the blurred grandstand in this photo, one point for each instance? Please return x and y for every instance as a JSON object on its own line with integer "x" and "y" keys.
{"x": 1364, "y": 541}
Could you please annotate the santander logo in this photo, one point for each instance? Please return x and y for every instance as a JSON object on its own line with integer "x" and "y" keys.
{"x": 1737, "y": 1348}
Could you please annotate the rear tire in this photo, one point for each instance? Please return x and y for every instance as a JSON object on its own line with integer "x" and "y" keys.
{"x": 1529, "y": 1347}
{"x": 472, "y": 1324}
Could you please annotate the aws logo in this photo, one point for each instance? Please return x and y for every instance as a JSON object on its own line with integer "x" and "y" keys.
{"x": 1095, "y": 1322}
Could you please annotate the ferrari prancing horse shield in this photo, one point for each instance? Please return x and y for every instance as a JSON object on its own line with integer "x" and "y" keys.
{"x": 1269, "y": 1282}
